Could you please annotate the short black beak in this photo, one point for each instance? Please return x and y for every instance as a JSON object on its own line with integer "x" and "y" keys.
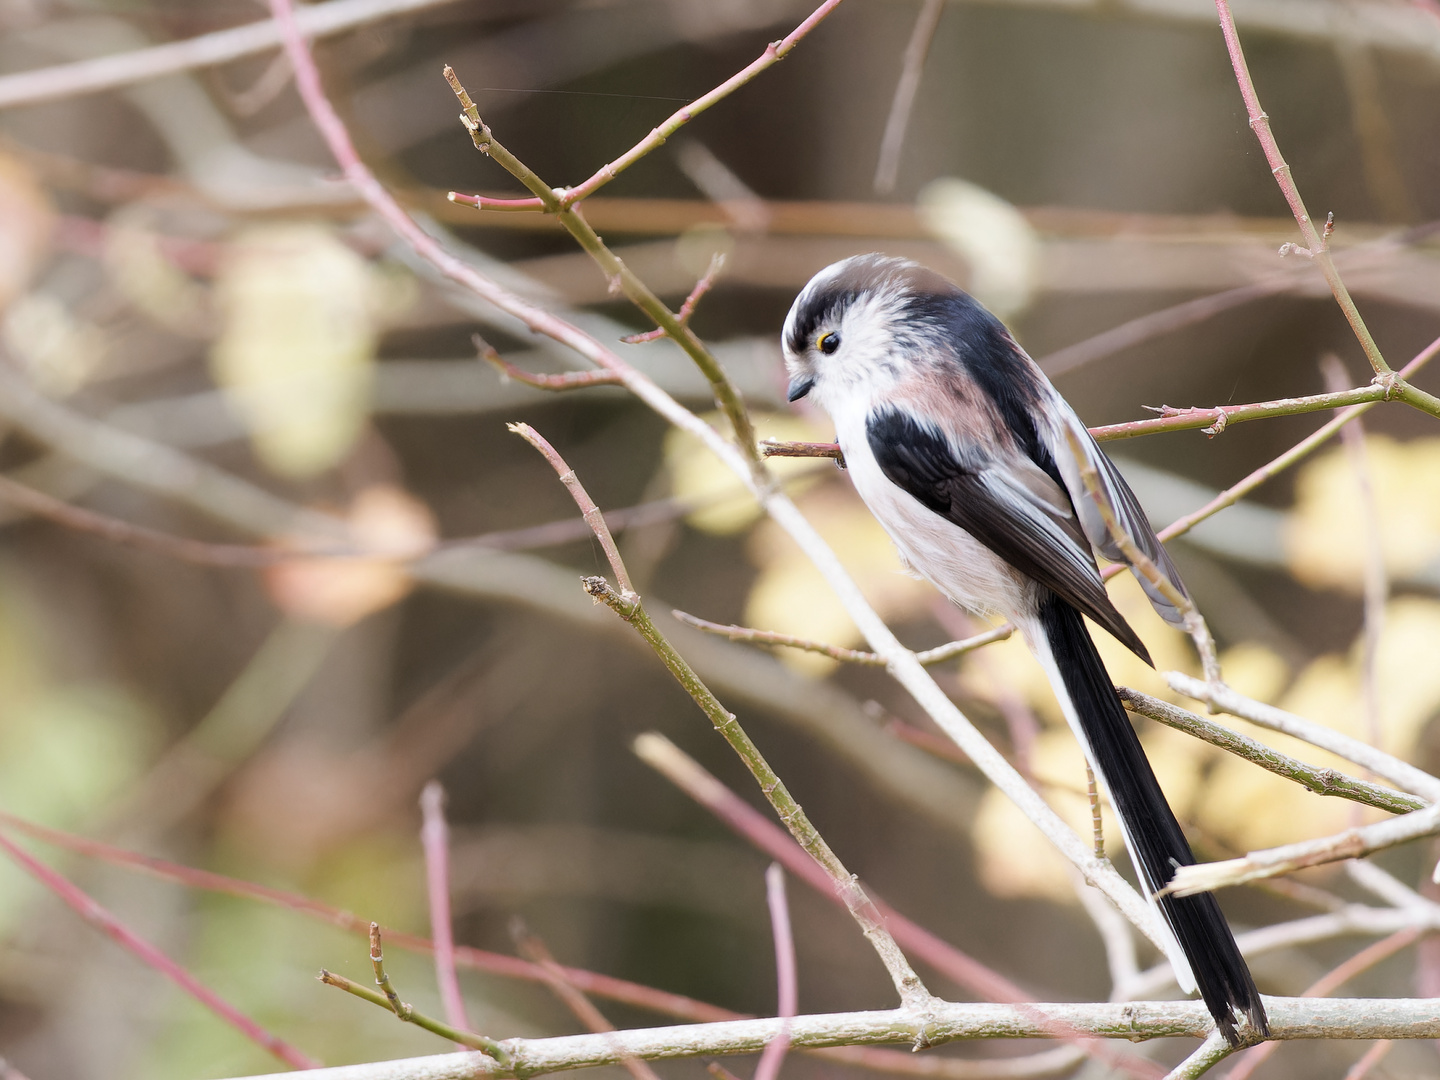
{"x": 800, "y": 386}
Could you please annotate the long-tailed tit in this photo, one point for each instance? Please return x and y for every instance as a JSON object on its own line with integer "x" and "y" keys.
{"x": 962, "y": 449}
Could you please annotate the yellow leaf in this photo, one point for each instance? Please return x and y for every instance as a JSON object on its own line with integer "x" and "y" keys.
{"x": 26, "y": 222}
{"x": 791, "y": 596}
{"x": 392, "y": 527}
{"x": 1327, "y": 531}
{"x": 296, "y": 347}
{"x": 722, "y": 505}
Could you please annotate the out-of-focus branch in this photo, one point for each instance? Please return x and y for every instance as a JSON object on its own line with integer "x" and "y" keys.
{"x": 148, "y": 954}
{"x": 1311, "y": 777}
{"x": 835, "y": 652}
{"x": 727, "y": 396}
{"x": 688, "y": 775}
{"x": 887, "y": 168}
{"x": 1386, "y": 766}
{"x": 206, "y": 50}
{"x": 435, "y": 839}
{"x": 787, "y": 982}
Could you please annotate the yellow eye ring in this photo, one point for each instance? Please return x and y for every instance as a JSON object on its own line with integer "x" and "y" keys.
{"x": 828, "y": 343}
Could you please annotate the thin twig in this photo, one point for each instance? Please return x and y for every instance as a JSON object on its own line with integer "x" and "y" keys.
{"x": 1311, "y": 777}
{"x": 435, "y": 839}
{"x": 1218, "y": 418}
{"x": 787, "y": 995}
{"x": 413, "y": 1016}
{"x": 907, "y": 984}
{"x": 621, "y": 277}
{"x": 569, "y": 380}
{"x": 206, "y": 50}
{"x": 687, "y": 309}
{"x": 1194, "y": 622}
{"x": 1316, "y": 245}
{"x": 887, "y": 168}
{"x": 1386, "y": 766}
{"x": 1300, "y": 450}
{"x": 98, "y": 917}
{"x": 588, "y": 510}
{"x": 837, "y": 652}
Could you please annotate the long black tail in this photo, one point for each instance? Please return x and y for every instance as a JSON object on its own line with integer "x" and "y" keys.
{"x": 1154, "y": 835}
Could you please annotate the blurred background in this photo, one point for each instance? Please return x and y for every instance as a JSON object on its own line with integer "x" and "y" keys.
{"x": 205, "y": 333}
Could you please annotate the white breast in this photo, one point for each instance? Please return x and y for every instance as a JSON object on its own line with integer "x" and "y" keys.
{"x": 943, "y": 553}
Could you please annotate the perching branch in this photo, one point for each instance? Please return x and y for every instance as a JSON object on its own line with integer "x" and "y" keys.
{"x": 1290, "y": 1018}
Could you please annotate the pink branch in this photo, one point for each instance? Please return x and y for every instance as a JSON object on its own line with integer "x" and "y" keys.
{"x": 785, "y": 975}
{"x": 1316, "y": 245}
{"x": 113, "y": 928}
{"x": 644, "y": 997}
{"x": 435, "y": 839}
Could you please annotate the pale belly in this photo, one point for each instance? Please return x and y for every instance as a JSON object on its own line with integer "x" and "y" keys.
{"x": 946, "y": 555}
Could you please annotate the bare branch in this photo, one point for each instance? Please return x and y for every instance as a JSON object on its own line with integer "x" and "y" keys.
{"x": 1290, "y": 1018}
{"x": 1311, "y": 777}
{"x": 836, "y": 652}
{"x": 588, "y": 510}
{"x": 1400, "y": 773}
{"x": 1317, "y": 245}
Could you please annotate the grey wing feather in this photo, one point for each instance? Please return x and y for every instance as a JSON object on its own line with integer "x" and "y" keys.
{"x": 1128, "y": 513}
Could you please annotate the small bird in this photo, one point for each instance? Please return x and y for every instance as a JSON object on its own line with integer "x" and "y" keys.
{"x": 961, "y": 447}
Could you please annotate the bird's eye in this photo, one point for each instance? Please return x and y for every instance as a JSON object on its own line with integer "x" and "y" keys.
{"x": 828, "y": 343}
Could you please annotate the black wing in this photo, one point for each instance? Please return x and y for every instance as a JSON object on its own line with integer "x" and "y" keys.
{"x": 1014, "y": 509}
